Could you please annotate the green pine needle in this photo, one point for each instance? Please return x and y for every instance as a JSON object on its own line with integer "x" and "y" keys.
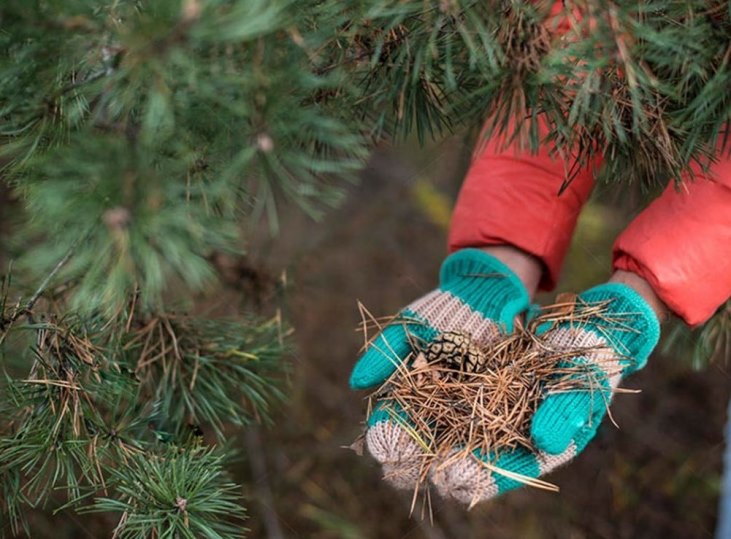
{"x": 176, "y": 493}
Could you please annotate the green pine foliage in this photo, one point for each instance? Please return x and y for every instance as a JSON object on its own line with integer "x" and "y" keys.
{"x": 636, "y": 83}
{"x": 705, "y": 344}
{"x": 176, "y": 494}
{"x": 127, "y": 123}
{"x": 140, "y": 138}
{"x": 91, "y": 400}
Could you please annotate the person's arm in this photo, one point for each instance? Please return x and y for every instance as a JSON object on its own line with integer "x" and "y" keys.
{"x": 510, "y": 198}
{"x": 680, "y": 245}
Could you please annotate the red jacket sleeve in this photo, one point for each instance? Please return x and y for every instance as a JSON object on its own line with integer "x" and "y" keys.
{"x": 510, "y": 197}
{"x": 681, "y": 244}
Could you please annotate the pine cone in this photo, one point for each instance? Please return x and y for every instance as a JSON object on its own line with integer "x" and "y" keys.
{"x": 455, "y": 351}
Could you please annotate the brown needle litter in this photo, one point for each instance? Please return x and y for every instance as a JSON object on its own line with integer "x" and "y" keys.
{"x": 484, "y": 399}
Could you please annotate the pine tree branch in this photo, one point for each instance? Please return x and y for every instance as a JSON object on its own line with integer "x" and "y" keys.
{"x": 46, "y": 281}
{"x": 27, "y": 309}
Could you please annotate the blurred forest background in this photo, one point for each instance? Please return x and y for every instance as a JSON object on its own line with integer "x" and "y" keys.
{"x": 658, "y": 476}
{"x": 144, "y": 142}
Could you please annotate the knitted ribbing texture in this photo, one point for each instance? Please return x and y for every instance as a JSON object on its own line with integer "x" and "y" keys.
{"x": 477, "y": 294}
{"x": 617, "y": 342}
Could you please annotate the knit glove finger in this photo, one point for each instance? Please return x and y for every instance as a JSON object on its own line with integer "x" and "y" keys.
{"x": 390, "y": 442}
{"x": 477, "y": 295}
{"x": 480, "y": 477}
{"x": 615, "y": 344}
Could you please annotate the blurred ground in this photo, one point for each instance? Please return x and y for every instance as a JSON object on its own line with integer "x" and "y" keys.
{"x": 656, "y": 477}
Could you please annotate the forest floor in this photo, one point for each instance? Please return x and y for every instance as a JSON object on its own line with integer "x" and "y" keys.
{"x": 657, "y": 476}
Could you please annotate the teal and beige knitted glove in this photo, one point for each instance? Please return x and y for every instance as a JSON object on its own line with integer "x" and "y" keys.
{"x": 477, "y": 295}
{"x": 617, "y": 343}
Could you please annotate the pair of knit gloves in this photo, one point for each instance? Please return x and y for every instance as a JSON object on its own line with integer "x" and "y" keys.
{"x": 481, "y": 296}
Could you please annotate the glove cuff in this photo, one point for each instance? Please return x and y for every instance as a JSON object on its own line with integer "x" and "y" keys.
{"x": 485, "y": 284}
{"x": 631, "y": 327}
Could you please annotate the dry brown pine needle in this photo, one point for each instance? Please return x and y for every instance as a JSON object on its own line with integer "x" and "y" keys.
{"x": 454, "y": 394}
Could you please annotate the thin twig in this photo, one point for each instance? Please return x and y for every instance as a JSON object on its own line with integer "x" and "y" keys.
{"x": 261, "y": 484}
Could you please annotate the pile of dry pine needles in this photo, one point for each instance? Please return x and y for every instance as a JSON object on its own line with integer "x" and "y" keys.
{"x": 484, "y": 398}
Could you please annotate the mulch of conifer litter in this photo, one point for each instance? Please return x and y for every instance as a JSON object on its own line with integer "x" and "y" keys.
{"x": 455, "y": 394}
